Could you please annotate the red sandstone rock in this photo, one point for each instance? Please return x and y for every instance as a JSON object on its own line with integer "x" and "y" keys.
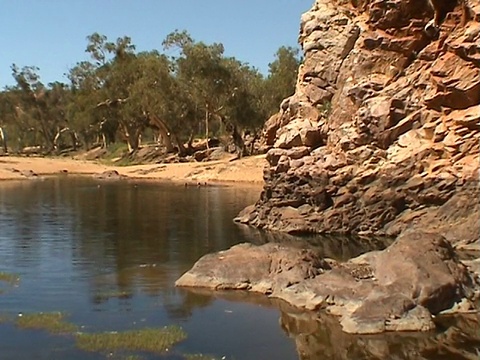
{"x": 373, "y": 79}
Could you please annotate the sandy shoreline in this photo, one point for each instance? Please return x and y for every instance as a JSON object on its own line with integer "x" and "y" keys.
{"x": 244, "y": 171}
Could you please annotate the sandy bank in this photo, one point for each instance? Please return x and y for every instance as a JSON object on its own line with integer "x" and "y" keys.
{"x": 245, "y": 171}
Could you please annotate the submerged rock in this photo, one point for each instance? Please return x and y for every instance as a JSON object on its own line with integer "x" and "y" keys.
{"x": 396, "y": 289}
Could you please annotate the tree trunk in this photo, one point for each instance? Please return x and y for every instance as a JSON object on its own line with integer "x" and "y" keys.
{"x": 75, "y": 140}
{"x": 206, "y": 125}
{"x": 182, "y": 151}
{"x": 238, "y": 141}
{"x": 237, "y": 137}
{"x": 190, "y": 144}
{"x": 46, "y": 132}
{"x": 106, "y": 133}
{"x": 73, "y": 137}
{"x": 165, "y": 133}
{"x": 3, "y": 139}
{"x": 133, "y": 138}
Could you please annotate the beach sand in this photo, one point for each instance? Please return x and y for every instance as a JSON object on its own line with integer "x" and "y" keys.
{"x": 247, "y": 170}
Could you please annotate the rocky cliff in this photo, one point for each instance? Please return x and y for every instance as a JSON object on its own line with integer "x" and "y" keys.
{"x": 383, "y": 131}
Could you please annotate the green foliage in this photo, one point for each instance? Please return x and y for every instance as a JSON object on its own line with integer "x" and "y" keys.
{"x": 325, "y": 108}
{"x": 117, "y": 155}
{"x": 281, "y": 80}
{"x": 120, "y": 93}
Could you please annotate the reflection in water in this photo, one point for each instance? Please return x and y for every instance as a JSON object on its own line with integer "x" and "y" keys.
{"x": 108, "y": 253}
{"x": 319, "y": 336}
{"x": 322, "y": 338}
{"x": 340, "y": 248}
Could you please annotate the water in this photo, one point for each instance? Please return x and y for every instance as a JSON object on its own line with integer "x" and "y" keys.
{"x": 75, "y": 241}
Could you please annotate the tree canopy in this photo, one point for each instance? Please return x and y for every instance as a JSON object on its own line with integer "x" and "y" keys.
{"x": 121, "y": 95}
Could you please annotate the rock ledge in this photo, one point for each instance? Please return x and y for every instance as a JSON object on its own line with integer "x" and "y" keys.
{"x": 397, "y": 289}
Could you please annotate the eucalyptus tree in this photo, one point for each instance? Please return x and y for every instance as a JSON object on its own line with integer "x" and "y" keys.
{"x": 161, "y": 99}
{"x": 29, "y": 106}
{"x": 202, "y": 74}
{"x": 3, "y": 140}
{"x": 7, "y": 123}
{"x": 86, "y": 93}
{"x": 17, "y": 124}
{"x": 281, "y": 79}
{"x": 57, "y": 100}
{"x": 39, "y": 111}
{"x": 147, "y": 95}
{"x": 99, "y": 88}
{"x": 121, "y": 93}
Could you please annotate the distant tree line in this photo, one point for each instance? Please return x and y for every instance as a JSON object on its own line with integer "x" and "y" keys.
{"x": 123, "y": 95}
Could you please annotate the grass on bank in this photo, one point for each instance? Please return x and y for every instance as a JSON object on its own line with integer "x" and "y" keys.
{"x": 117, "y": 155}
{"x": 149, "y": 339}
{"x": 52, "y": 322}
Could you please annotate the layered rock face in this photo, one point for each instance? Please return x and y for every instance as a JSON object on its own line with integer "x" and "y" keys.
{"x": 383, "y": 131}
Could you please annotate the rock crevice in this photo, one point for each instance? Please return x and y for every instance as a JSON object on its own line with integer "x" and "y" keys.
{"x": 383, "y": 131}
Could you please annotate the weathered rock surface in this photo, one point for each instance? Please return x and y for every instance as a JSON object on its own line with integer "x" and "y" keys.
{"x": 397, "y": 289}
{"x": 109, "y": 175}
{"x": 249, "y": 267}
{"x": 383, "y": 131}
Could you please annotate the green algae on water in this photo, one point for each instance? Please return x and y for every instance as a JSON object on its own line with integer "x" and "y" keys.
{"x": 199, "y": 357}
{"x": 52, "y": 322}
{"x": 125, "y": 357}
{"x": 149, "y": 339}
{"x": 5, "y": 318}
{"x": 9, "y": 278}
{"x": 107, "y": 295}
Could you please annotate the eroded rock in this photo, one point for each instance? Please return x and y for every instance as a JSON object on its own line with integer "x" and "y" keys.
{"x": 109, "y": 175}
{"x": 397, "y": 289}
{"x": 387, "y": 122}
{"x": 258, "y": 269}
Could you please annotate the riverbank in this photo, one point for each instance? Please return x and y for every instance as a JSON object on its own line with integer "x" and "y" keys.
{"x": 248, "y": 170}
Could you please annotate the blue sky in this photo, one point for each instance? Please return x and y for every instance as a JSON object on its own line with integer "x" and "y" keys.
{"x": 51, "y": 34}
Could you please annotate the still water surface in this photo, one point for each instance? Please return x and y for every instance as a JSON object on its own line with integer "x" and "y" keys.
{"x": 73, "y": 240}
